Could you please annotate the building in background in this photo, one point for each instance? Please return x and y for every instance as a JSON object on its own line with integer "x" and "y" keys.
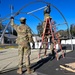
{"x": 8, "y": 39}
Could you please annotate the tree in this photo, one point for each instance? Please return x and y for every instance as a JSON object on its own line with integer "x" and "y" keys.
{"x": 39, "y": 29}
{"x": 0, "y": 24}
{"x": 41, "y": 26}
{"x": 72, "y": 29}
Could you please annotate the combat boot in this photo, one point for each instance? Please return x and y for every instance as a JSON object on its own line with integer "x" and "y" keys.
{"x": 19, "y": 71}
{"x": 29, "y": 71}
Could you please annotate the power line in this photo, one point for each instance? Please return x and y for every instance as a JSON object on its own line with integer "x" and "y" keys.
{"x": 36, "y": 10}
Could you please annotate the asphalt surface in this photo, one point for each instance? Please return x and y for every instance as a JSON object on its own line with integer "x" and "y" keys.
{"x": 48, "y": 66}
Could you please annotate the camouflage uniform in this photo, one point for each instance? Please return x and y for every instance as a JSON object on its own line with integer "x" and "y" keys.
{"x": 24, "y": 37}
{"x": 47, "y": 12}
{"x": 45, "y": 44}
{"x": 47, "y": 15}
{"x": 51, "y": 44}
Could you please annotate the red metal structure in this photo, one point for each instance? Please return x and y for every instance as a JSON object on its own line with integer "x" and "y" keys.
{"x": 50, "y": 30}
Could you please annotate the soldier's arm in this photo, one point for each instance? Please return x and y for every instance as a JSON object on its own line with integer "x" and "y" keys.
{"x": 47, "y": 9}
{"x": 12, "y": 23}
{"x": 29, "y": 35}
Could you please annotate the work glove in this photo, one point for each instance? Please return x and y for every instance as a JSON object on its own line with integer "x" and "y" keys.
{"x": 11, "y": 17}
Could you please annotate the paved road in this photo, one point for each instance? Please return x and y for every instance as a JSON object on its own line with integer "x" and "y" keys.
{"x": 49, "y": 67}
{"x": 44, "y": 66}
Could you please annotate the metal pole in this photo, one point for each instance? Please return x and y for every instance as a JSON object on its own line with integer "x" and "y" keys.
{"x": 36, "y": 10}
{"x": 12, "y": 8}
{"x": 4, "y": 31}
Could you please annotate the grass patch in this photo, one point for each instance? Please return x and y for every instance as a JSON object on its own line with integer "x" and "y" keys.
{"x": 1, "y": 48}
{"x": 7, "y": 47}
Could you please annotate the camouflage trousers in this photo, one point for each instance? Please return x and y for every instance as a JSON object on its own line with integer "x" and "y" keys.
{"x": 24, "y": 53}
{"x": 51, "y": 48}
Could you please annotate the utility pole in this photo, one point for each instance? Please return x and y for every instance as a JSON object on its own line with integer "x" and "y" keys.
{"x": 11, "y": 8}
{"x": 0, "y": 17}
{"x": 0, "y": 3}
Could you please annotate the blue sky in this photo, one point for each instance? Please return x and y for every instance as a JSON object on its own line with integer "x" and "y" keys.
{"x": 67, "y": 7}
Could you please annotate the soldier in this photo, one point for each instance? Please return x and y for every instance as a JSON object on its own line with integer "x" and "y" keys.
{"x": 47, "y": 12}
{"x": 49, "y": 36}
{"x": 46, "y": 15}
{"x": 45, "y": 45}
{"x": 52, "y": 48}
{"x": 24, "y": 37}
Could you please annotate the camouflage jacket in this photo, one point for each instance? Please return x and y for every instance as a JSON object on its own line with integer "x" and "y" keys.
{"x": 24, "y": 35}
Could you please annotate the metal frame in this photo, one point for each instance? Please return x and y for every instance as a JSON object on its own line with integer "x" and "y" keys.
{"x": 19, "y": 11}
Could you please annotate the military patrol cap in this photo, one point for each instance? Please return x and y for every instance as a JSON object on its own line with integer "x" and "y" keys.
{"x": 22, "y": 19}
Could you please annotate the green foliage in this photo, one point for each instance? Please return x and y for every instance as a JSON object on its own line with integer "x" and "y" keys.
{"x": 0, "y": 26}
{"x": 39, "y": 29}
{"x": 72, "y": 29}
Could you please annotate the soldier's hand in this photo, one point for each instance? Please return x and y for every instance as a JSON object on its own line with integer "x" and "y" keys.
{"x": 12, "y": 17}
{"x": 48, "y": 5}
